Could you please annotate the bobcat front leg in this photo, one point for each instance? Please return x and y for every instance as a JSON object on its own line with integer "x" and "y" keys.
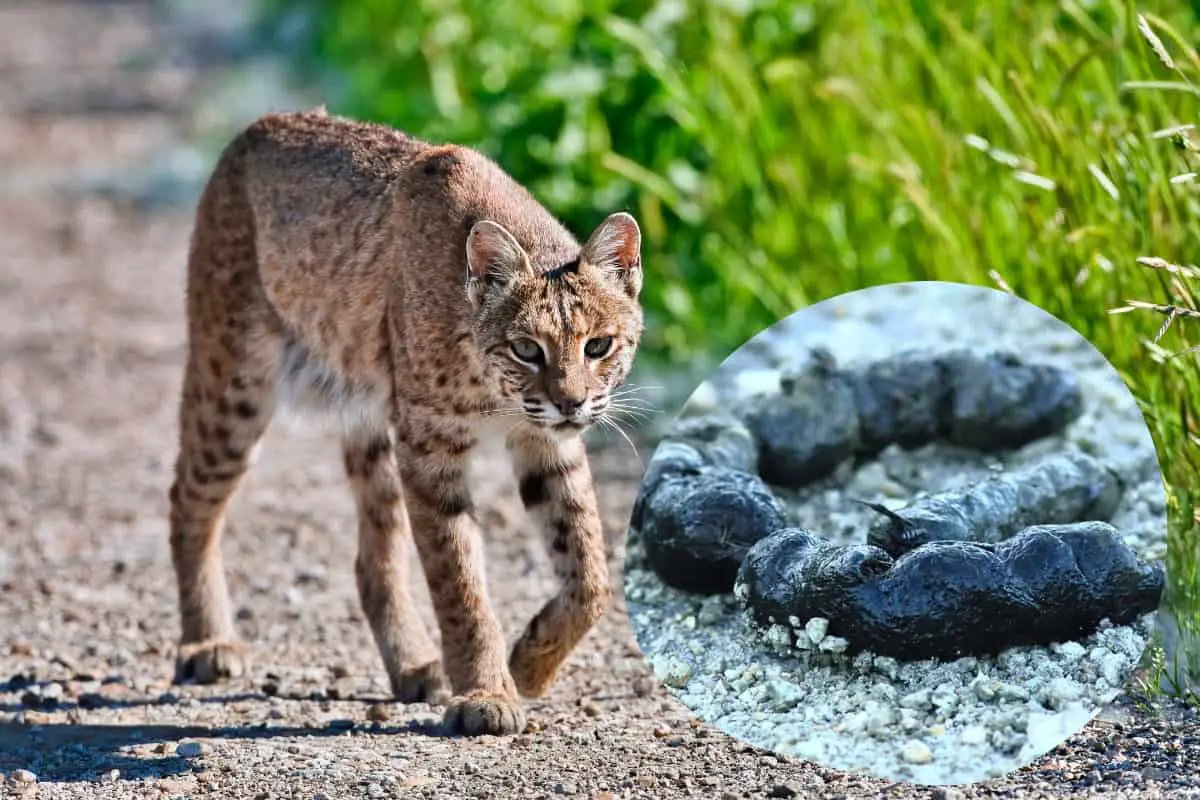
{"x": 556, "y": 488}
{"x": 433, "y": 474}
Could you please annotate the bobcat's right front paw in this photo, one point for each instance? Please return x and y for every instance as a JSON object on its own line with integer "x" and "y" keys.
{"x": 421, "y": 684}
{"x": 479, "y": 713}
{"x": 211, "y": 661}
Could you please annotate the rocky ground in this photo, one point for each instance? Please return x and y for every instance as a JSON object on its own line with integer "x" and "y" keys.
{"x": 97, "y": 99}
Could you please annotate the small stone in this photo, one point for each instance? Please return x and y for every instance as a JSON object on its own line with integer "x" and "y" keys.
{"x": 23, "y": 776}
{"x": 378, "y": 712}
{"x": 918, "y": 700}
{"x": 914, "y": 751}
{"x": 816, "y": 628}
{"x": 565, "y": 788}
{"x": 1071, "y": 651}
{"x": 112, "y": 776}
{"x": 973, "y": 734}
{"x": 833, "y": 644}
{"x": 785, "y": 790}
{"x": 985, "y": 689}
{"x": 191, "y": 749}
{"x": 945, "y": 793}
{"x": 672, "y": 670}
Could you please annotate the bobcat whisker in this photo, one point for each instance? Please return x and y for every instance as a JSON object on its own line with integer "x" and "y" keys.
{"x": 607, "y": 422}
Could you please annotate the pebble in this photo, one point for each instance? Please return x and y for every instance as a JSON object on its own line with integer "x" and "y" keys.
{"x": 914, "y": 751}
{"x": 191, "y": 749}
{"x": 816, "y": 628}
{"x": 945, "y": 793}
{"x": 973, "y": 734}
{"x": 672, "y": 670}
{"x": 378, "y": 712}
{"x": 22, "y": 776}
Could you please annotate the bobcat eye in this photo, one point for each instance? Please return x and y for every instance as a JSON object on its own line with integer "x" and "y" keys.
{"x": 599, "y": 347}
{"x": 527, "y": 350}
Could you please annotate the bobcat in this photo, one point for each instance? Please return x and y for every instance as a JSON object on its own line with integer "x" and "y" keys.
{"x": 421, "y": 295}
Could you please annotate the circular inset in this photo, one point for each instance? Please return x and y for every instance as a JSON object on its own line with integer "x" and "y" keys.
{"x": 914, "y": 531}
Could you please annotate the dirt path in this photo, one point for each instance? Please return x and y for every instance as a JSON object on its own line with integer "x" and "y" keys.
{"x": 91, "y": 348}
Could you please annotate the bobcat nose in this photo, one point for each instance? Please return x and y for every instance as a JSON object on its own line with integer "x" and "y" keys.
{"x": 567, "y": 406}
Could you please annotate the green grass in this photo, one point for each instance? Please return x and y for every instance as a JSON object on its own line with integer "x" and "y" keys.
{"x": 779, "y": 153}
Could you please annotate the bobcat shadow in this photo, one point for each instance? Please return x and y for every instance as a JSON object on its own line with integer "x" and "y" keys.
{"x": 93, "y": 701}
{"x": 64, "y": 752}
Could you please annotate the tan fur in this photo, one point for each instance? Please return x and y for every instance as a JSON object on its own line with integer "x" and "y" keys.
{"x": 420, "y": 294}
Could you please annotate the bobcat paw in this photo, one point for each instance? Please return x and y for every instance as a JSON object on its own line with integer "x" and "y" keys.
{"x": 211, "y": 661}
{"x": 421, "y": 684}
{"x": 480, "y": 713}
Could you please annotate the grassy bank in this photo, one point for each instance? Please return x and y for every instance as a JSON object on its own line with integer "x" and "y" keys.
{"x": 779, "y": 153}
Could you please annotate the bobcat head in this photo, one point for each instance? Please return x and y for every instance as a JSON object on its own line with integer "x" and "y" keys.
{"x": 558, "y": 339}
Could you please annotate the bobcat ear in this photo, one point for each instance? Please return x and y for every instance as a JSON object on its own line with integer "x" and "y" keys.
{"x": 493, "y": 255}
{"x": 616, "y": 248}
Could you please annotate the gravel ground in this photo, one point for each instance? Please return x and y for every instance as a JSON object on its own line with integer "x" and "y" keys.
{"x": 925, "y": 721}
{"x": 91, "y": 349}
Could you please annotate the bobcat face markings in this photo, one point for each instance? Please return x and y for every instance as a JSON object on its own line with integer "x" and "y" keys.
{"x": 560, "y": 339}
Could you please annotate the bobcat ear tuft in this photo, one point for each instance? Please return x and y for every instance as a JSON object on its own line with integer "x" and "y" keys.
{"x": 616, "y": 248}
{"x": 493, "y": 255}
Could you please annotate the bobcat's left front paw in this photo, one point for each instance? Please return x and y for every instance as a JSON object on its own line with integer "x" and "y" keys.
{"x": 480, "y": 713}
{"x": 211, "y": 661}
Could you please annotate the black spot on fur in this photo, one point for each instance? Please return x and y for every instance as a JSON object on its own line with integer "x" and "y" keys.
{"x": 377, "y": 449}
{"x": 533, "y": 490}
{"x": 560, "y": 272}
{"x": 562, "y": 530}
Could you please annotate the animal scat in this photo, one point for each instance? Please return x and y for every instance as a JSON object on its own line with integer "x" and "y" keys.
{"x": 950, "y": 599}
{"x": 1062, "y": 488}
{"x": 697, "y": 527}
{"x": 712, "y": 440}
{"x": 805, "y": 432}
{"x": 825, "y": 414}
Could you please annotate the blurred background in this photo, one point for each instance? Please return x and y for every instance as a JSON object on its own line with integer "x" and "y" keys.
{"x": 778, "y": 153}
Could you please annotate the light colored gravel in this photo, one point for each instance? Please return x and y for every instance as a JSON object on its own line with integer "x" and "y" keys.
{"x": 925, "y": 721}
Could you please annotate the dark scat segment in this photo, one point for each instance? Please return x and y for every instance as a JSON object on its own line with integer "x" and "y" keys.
{"x": 825, "y": 414}
{"x": 696, "y": 443}
{"x": 900, "y": 400}
{"x": 670, "y": 459}
{"x": 811, "y": 427}
{"x": 946, "y": 600}
{"x": 721, "y": 439}
{"x": 1082, "y": 573}
{"x": 697, "y": 528}
{"x": 1002, "y": 403}
{"x": 1064, "y": 488}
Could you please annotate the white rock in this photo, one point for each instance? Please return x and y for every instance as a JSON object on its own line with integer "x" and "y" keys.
{"x": 833, "y": 644}
{"x": 914, "y": 751}
{"x": 672, "y": 670}
{"x": 973, "y": 734}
